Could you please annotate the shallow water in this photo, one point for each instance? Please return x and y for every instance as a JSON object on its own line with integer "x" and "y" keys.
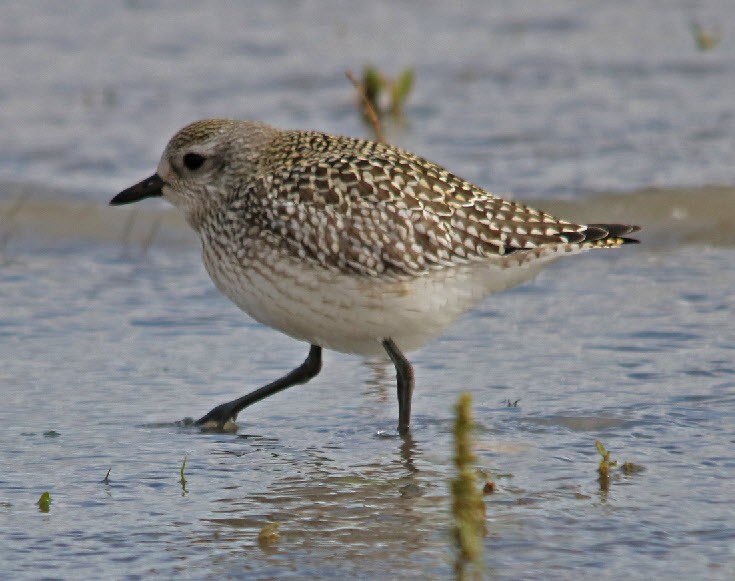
{"x": 110, "y": 331}
{"x": 104, "y": 349}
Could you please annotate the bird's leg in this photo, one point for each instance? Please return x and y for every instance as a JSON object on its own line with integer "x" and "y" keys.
{"x": 404, "y": 377}
{"x": 219, "y": 416}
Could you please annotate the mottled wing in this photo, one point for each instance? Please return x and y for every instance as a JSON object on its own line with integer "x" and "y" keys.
{"x": 399, "y": 215}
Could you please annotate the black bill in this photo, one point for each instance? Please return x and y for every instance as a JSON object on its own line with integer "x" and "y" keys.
{"x": 148, "y": 188}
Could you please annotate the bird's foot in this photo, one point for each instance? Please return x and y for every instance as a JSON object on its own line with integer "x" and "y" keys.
{"x": 219, "y": 419}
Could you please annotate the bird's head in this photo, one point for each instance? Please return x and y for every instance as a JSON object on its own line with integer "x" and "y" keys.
{"x": 202, "y": 165}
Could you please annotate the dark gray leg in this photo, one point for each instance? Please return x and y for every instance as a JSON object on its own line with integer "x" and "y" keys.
{"x": 225, "y": 412}
{"x": 404, "y": 377}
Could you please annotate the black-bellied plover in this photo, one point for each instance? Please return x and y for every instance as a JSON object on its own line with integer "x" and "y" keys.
{"x": 349, "y": 244}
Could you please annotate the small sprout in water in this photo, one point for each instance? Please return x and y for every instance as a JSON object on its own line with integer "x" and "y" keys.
{"x": 606, "y": 464}
{"x": 373, "y": 83}
{"x": 705, "y": 39}
{"x": 183, "y": 478}
{"x": 107, "y": 477}
{"x": 44, "y": 503}
{"x": 468, "y": 507}
{"x": 486, "y": 477}
{"x": 604, "y": 467}
{"x": 630, "y": 468}
{"x": 370, "y": 114}
{"x": 269, "y": 534}
{"x": 602, "y": 451}
{"x": 380, "y": 95}
{"x": 400, "y": 89}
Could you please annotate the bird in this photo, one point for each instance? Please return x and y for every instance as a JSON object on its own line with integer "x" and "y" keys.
{"x": 349, "y": 244}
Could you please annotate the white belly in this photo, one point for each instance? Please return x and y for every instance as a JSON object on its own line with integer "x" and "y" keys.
{"x": 354, "y": 313}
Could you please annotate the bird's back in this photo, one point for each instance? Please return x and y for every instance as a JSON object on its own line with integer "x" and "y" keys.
{"x": 374, "y": 210}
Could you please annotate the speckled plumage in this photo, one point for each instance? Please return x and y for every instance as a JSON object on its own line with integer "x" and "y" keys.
{"x": 371, "y": 209}
{"x": 345, "y": 242}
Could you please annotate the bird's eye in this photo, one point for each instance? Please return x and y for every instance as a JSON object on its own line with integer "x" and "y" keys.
{"x": 194, "y": 161}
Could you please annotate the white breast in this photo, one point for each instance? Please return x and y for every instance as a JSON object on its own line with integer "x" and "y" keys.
{"x": 353, "y": 313}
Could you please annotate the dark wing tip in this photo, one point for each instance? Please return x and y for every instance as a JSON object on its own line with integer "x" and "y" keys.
{"x": 605, "y": 231}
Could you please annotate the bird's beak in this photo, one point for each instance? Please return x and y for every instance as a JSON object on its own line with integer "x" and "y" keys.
{"x": 149, "y": 188}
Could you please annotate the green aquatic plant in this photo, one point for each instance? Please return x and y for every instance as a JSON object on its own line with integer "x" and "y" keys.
{"x": 368, "y": 108}
{"x": 400, "y": 89}
{"x": 376, "y": 84}
{"x": 705, "y": 39}
{"x": 44, "y": 502}
{"x": 381, "y": 95}
{"x": 603, "y": 468}
{"x": 468, "y": 507}
{"x": 605, "y": 462}
{"x": 269, "y": 534}
{"x": 373, "y": 84}
{"x": 630, "y": 468}
{"x": 606, "y": 466}
{"x": 182, "y": 480}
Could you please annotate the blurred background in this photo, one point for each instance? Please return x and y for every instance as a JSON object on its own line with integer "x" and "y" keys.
{"x": 538, "y": 98}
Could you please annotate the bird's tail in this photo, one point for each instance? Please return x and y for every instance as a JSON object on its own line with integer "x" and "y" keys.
{"x": 608, "y": 235}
